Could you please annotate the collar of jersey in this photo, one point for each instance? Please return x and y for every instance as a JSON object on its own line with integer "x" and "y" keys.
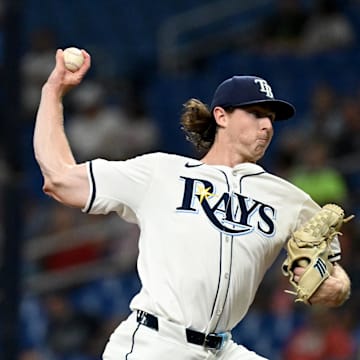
{"x": 239, "y": 167}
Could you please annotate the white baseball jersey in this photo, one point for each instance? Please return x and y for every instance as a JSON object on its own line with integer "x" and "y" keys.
{"x": 207, "y": 233}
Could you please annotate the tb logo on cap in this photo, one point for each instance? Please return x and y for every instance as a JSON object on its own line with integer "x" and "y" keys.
{"x": 265, "y": 87}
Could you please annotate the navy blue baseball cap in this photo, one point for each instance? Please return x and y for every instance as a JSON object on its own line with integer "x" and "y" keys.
{"x": 239, "y": 91}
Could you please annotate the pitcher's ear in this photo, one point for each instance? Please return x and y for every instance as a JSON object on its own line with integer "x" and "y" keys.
{"x": 220, "y": 117}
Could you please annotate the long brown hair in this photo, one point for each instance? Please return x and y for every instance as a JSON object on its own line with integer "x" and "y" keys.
{"x": 198, "y": 124}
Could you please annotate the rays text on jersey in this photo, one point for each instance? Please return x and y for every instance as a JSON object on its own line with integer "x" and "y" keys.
{"x": 231, "y": 213}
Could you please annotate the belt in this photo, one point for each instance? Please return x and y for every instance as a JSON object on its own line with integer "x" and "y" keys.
{"x": 211, "y": 341}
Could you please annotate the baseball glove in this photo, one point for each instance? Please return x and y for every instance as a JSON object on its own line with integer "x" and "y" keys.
{"x": 309, "y": 247}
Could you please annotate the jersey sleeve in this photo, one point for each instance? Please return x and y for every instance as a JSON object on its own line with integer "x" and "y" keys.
{"x": 119, "y": 186}
{"x": 309, "y": 209}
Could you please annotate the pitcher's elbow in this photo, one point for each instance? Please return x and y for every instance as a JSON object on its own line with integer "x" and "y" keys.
{"x": 51, "y": 188}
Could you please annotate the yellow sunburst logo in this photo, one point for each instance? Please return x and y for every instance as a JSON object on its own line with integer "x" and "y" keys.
{"x": 204, "y": 193}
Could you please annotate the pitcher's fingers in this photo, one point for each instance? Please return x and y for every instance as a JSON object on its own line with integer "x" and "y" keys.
{"x": 59, "y": 57}
{"x": 85, "y": 66}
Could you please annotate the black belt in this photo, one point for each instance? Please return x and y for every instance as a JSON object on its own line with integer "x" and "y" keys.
{"x": 212, "y": 341}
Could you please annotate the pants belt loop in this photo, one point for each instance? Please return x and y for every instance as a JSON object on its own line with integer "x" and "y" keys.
{"x": 148, "y": 320}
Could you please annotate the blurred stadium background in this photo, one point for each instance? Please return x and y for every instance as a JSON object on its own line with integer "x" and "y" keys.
{"x": 67, "y": 278}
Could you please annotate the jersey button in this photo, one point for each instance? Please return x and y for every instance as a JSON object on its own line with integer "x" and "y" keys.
{"x": 226, "y": 275}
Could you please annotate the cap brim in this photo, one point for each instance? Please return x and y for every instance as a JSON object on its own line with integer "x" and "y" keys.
{"x": 283, "y": 110}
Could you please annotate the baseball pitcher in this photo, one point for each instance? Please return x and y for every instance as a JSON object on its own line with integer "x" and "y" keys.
{"x": 209, "y": 228}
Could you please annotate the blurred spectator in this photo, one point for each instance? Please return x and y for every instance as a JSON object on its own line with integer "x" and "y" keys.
{"x": 70, "y": 331}
{"x": 288, "y": 151}
{"x": 326, "y": 335}
{"x": 94, "y": 128}
{"x": 346, "y": 150}
{"x": 142, "y": 133}
{"x": 328, "y": 28}
{"x": 348, "y": 142}
{"x": 315, "y": 176}
{"x": 114, "y": 132}
{"x": 36, "y": 64}
{"x": 281, "y": 31}
{"x": 324, "y": 119}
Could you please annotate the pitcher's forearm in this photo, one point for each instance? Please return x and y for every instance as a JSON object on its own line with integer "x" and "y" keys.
{"x": 52, "y": 150}
{"x": 340, "y": 274}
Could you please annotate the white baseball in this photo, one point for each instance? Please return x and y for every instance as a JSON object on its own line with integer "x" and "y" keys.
{"x": 73, "y": 58}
